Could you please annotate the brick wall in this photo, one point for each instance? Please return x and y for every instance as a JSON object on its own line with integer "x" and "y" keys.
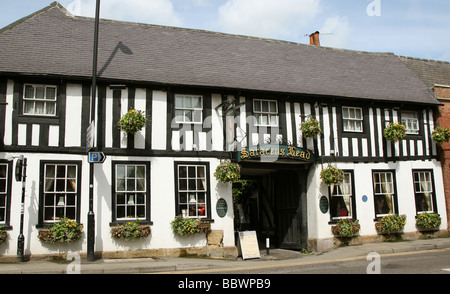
{"x": 443, "y": 120}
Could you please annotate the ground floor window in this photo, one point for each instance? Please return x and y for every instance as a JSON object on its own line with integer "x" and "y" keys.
{"x": 5, "y": 194}
{"x": 60, "y": 191}
{"x": 131, "y": 191}
{"x": 342, "y": 198}
{"x": 384, "y": 193}
{"x": 192, "y": 189}
{"x": 423, "y": 191}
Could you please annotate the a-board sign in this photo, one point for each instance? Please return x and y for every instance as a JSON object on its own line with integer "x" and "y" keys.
{"x": 249, "y": 245}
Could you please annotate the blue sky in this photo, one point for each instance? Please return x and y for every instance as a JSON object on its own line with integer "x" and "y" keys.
{"x": 416, "y": 28}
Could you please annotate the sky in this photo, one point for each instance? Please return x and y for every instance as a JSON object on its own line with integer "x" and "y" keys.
{"x": 415, "y": 28}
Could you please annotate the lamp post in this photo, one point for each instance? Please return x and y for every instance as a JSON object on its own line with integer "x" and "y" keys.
{"x": 91, "y": 216}
{"x": 21, "y": 175}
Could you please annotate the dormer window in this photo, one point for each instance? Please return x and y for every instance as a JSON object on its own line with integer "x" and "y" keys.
{"x": 39, "y": 100}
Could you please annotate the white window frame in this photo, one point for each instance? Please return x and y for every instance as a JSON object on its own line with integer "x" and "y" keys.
{"x": 4, "y": 194}
{"x": 182, "y": 111}
{"x": 388, "y": 185}
{"x": 410, "y": 119}
{"x": 345, "y": 192}
{"x": 44, "y": 101}
{"x": 424, "y": 185}
{"x": 270, "y": 115}
{"x": 134, "y": 195}
{"x": 190, "y": 194}
{"x": 350, "y": 119}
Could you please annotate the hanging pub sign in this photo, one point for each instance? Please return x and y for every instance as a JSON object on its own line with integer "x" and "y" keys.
{"x": 270, "y": 153}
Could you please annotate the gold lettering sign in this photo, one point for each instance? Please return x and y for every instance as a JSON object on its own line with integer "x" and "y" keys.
{"x": 275, "y": 152}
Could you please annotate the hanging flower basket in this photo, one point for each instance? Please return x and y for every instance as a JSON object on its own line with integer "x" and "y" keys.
{"x": 184, "y": 226}
{"x": 310, "y": 128}
{"x": 428, "y": 221}
{"x": 394, "y": 132}
{"x": 65, "y": 231}
{"x": 331, "y": 175}
{"x": 133, "y": 121}
{"x": 130, "y": 231}
{"x": 3, "y": 235}
{"x": 441, "y": 135}
{"x": 346, "y": 228}
{"x": 390, "y": 224}
{"x": 228, "y": 172}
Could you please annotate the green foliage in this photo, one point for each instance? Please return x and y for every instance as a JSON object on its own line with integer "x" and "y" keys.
{"x": 130, "y": 231}
{"x": 331, "y": 175}
{"x": 395, "y": 132}
{"x": 243, "y": 189}
{"x": 228, "y": 172}
{"x": 441, "y": 135}
{"x": 66, "y": 230}
{"x": 184, "y": 226}
{"x": 346, "y": 228}
{"x": 391, "y": 223}
{"x": 428, "y": 221}
{"x": 3, "y": 234}
{"x": 310, "y": 128}
{"x": 132, "y": 121}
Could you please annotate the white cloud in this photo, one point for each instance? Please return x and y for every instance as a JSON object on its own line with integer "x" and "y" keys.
{"x": 267, "y": 18}
{"x": 339, "y": 32}
{"x": 159, "y": 12}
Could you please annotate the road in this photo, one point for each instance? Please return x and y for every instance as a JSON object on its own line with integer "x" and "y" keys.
{"x": 423, "y": 262}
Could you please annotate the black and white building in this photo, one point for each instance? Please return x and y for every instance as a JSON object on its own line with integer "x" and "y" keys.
{"x": 210, "y": 97}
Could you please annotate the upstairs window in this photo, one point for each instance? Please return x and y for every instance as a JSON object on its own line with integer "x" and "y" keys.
{"x": 265, "y": 112}
{"x": 352, "y": 119}
{"x": 188, "y": 109}
{"x": 39, "y": 100}
{"x": 411, "y": 121}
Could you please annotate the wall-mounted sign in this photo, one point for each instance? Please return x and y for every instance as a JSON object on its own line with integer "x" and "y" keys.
{"x": 323, "y": 204}
{"x": 275, "y": 152}
{"x": 221, "y": 207}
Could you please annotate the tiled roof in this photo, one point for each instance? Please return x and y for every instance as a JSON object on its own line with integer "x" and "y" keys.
{"x": 431, "y": 72}
{"x": 56, "y": 43}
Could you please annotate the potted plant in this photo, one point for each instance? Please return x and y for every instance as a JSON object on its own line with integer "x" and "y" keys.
{"x": 66, "y": 230}
{"x": 310, "y": 128}
{"x": 227, "y": 172}
{"x": 184, "y": 226}
{"x": 441, "y": 135}
{"x": 428, "y": 221}
{"x": 130, "y": 231}
{"x": 394, "y": 132}
{"x": 390, "y": 224}
{"x": 346, "y": 228}
{"x": 331, "y": 175}
{"x": 133, "y": 121}
{"x": 3, "y": 234}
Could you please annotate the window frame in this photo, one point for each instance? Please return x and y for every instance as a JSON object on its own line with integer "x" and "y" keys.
{"x": 147, "y": 193}
{"x": 178, "y": 209}
{"x": 394, "y": 196}
{"x": 43, "y": 100}
{"x": 7, "y": 193}
{"x": 356, "y": 120}
{"x": 351, "y": 197}
{"x": 185, "y": 109}
{"x": 433, "y": 192}
{"x": 260, "y": 113}
{"x": 406, "y": 121}
{"x": 42, "y": 221}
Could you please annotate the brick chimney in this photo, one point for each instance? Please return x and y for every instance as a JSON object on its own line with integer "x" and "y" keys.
{"x": 314, "y": 39}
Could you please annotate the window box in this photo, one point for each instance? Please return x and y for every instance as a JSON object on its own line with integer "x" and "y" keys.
{"x": 66, "y": 230}
{"x": 3, "y": 234}
{"x": 183, "y": 226}
{"x": 428, "y": 222}
{"x": 391, "y": 224}
{"x": 130, "y": 231}
{"x": 346, "y": 228}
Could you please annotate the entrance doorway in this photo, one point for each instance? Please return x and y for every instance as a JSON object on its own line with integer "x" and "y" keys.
{"x": 276, "y": 208}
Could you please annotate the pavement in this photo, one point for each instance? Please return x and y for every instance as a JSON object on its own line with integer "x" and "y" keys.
{"x": 182, "y": 265}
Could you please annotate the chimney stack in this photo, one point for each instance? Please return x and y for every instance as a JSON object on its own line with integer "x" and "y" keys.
{"x": 314, "y": 39}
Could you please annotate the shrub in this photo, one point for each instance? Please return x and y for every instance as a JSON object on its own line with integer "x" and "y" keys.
{"x": 66, "y": 230}
{"x": 133, "y": 121}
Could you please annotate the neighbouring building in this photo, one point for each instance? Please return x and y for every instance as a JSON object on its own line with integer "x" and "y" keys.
{"x": 211, "y": 97}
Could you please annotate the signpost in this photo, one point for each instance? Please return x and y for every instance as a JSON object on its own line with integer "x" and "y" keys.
{"x": 96, "y": 157}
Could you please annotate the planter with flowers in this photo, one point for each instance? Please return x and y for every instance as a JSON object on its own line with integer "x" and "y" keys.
{"x": 130, "y": 231}
{"x": 310, "y": 128}
{"x": 228, "y": 172}
{"x": 441, "y": 135}
{"x": 428, "y": 222}
{"x": 390, "y": 225}
{"x": 331, "y": 175}
{"x": 3, "y": 234}
{"x": 394, "y": 132}
{"x": 64, "y": 231}
{"x": 133, "y": 121}
{"x": 183, "y": 226}
{"x": 345, "y": 230}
